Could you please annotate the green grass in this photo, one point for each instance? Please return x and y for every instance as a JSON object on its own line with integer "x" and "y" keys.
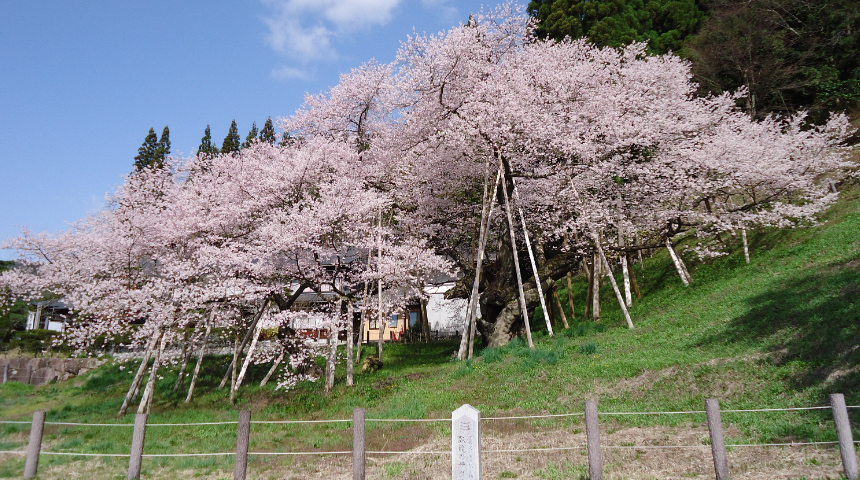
{"x": 782, "y": 331}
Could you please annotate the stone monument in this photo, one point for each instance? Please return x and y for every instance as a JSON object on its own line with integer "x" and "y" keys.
{"x": 466, "y": 443}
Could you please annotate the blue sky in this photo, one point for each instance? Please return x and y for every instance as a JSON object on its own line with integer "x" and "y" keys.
{"x": 82, "y": 82}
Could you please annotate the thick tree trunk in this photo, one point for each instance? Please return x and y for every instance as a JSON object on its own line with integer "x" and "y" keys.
{"x": 138, "y": 377}
{"x": 425, "y": 321}
{"x": 200, "y": 358}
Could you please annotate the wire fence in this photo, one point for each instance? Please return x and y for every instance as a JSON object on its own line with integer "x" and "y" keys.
{"x": 592, "y": 445}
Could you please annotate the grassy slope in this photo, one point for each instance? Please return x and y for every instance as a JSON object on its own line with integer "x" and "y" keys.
{"x": 779, "y": 332}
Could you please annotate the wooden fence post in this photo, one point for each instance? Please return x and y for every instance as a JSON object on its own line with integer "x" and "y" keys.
{"x": 35, "y": 445}
{"x": 243, "y": 438}
{"x": 843, "y": 434}
{"x": 358, "y": 457}
{"x": 718, "y": 445}
{"x": 592, "y": 436}
{"x": 137, "y": 438}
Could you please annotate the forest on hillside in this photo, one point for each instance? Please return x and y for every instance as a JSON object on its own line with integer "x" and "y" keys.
{"x": 789, "y": 55}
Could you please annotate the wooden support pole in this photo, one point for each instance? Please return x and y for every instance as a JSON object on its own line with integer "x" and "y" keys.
{"x": 243, "y": 437}
{"x": 614, "y": 285}
{"x": 35, "y": 445}
{"x": 532, "y": 259}
{"x": 137, "y": 439}
{"x": 718, "y": 445}
{"x": 358, "y": 457}
{"x": 592, "y": 436}
{"x": 523, "y": 305}
{"x": 843, "y": 434}
{"x": 5, "y": 373}
{"x": 349, "y": 345}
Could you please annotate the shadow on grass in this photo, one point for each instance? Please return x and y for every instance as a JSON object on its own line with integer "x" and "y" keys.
{"x": 810, "y": 321}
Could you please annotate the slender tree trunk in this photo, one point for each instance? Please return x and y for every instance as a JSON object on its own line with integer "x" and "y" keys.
{"x": 349, "y": 334}
{"x": 677, "y": 261}
{"x": 331, "y": 359}
{"x": 233, "y": 366}
{"x": 363, "y": 320}
{"x": 523, "y": 305}
{"x": 633, "y": 279}
{"x": 251, "y": 328}
{"x": 146, "y": 400}
{"x": 138, "y": 377}
{"x": 200, "y": 358}
{"x": 381, "y": 318}
{"x": 380, "y": 340}
{"x": 746, "y": 247}
{"x": 595, "y": 289}
{"x": 628, "y": 297}
{"x": 570, "y": 296}
{"x": 274, "y": 367}
{"x": 590, "y": 291}
{"x": 614, "y": 285}
{"x": 257, "y": 330}
{"x": 187, "y": 348}
{"x": 559, "y": 307}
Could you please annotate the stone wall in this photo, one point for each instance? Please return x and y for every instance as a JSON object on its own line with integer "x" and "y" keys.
{"x": 39, "y": 371}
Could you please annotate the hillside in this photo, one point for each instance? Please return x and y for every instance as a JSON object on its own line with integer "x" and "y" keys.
{"x": 779, "y": 332}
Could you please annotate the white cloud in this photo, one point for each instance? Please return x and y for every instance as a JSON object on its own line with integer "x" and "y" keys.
{"x": 303, "y": 29}
{"x": 443, "y": 7}
{"x": 288, "y": 73}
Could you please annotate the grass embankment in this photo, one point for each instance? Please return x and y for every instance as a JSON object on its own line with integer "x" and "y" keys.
{"x": 779, "y": 332}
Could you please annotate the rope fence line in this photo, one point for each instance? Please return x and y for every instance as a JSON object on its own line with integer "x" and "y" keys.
{"x": 716, "y": 444}
{"x": 407, "y": 420}
{"x": 426, "y": 452}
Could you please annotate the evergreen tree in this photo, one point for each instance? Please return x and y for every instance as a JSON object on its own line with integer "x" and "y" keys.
{"x": 267, "y": 134}
{"x": 206, "y": 146}
{"x": 252, "y": 135}
{"x": 146, "y": 154}
{"x": 286, "y": 140}
{"x": 163, "y": 149}
{"x": 232, "y": 141}
{"x": 613, "y": 23}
